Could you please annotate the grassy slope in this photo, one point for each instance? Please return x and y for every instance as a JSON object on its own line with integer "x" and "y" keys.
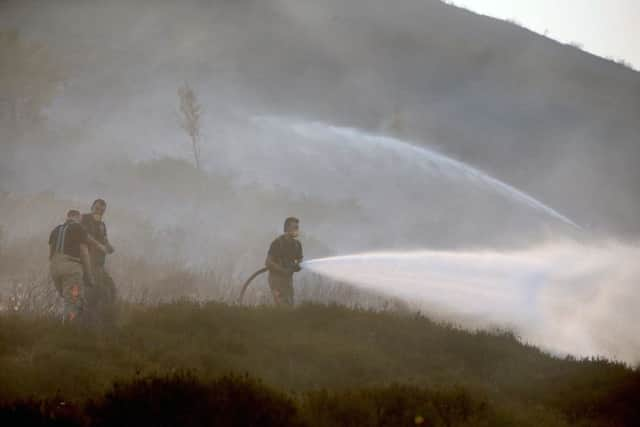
{"x": 309, "y": 348}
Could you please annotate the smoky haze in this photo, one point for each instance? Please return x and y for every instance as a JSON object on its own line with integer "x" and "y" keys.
{"x": 547, "y": 118}
{"x": 554, "y": 123}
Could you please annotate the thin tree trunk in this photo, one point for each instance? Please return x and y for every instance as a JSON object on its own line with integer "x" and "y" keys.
{"x": 196, "y": 151}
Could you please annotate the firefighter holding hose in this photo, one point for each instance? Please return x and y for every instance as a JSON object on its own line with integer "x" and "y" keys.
{"x": 283, "y": 261}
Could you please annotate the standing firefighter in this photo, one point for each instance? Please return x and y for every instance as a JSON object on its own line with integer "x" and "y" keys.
{"x": 69, "y": 262}
{"x": 283, "y": 260}
{"x": 101, "y": 298}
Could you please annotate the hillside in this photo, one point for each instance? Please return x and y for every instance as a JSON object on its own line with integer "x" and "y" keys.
{"x": 545, "y": 117}
{"x": 345, "y": 352}
{"x": 411, "y": 128}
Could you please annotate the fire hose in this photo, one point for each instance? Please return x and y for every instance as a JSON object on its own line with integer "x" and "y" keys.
{"x": 248, "y": 282}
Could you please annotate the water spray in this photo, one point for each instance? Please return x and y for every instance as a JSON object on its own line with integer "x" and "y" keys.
{"x": 422, "y": 158}
{"x": 566, "y": 298}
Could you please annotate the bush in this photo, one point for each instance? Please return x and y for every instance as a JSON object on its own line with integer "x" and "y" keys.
{"x": 398, "y": 405}
{"x": 33, "y": 412}
{"x": 183, "y": 400}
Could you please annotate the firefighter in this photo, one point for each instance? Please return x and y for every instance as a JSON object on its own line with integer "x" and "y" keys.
{"x": 69, "y": 264}
{"x": 283, "y": 260}
{"x": 101, "y": 297}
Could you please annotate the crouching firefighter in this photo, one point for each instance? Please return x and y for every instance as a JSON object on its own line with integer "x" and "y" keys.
{"x": 69, "y": 264}
{"x": 283, "y": 260}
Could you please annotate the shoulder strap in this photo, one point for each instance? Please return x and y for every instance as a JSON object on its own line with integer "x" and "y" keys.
{"x": 61, "y": 234}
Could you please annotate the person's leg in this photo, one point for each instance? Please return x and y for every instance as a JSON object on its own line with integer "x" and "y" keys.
{"x": 275, "y": 290}
{"x": 57, "y": 283}
{"x": 92, "y": 298}
{"x": 73, "y": 295}
{"x": 108, "y": 299}
{"x": 55, "y": 274}
{"x": 287, "y": 292}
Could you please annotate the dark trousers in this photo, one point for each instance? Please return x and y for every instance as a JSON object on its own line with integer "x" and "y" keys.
{"x": 101, "y": 298}
{"x": 281, "y": 289}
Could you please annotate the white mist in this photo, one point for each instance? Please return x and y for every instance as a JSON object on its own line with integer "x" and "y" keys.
{"x": 565, "y": 298}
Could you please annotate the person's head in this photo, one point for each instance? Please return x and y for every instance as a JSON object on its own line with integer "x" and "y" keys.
{"x": 292, "y": 226}
{"x": 98, "y": 207}
{"x": 74, "y": 215}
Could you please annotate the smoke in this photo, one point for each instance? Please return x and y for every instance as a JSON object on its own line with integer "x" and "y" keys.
{"x": 566, "y": 298}
{"x": 518, "y": 106}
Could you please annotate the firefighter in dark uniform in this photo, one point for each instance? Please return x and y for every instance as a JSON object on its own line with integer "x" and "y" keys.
{"x": 70, "y": 266}
{"x": 283, "y": 260}
{"x": 101, "y": 298}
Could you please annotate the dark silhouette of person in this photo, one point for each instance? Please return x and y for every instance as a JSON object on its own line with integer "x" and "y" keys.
{"x": 283, "y": 261}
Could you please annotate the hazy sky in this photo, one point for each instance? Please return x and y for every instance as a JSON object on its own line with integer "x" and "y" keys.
{"x": 609, "y": 28}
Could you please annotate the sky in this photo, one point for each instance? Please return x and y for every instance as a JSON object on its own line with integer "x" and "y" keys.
{"x": 608, "y": 28}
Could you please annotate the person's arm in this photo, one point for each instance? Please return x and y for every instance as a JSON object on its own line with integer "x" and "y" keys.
{"x": 298, "y": 259}
{"x": 93, "y": 242}
{"x": 86, "y": 263}
{"x": 52, "y": 242}
{"x": 81, "y": 236}
{"x": 274, "y": 267}
{"x": 107, "y": 243}
{"x": 272, "y": 255}
{"x": 86, "y": 225}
